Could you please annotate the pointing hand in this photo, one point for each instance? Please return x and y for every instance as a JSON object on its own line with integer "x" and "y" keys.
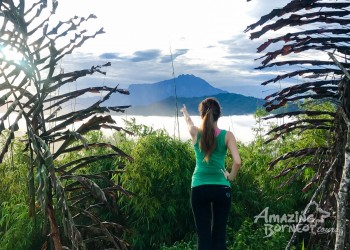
{"x": 184, "y": 110}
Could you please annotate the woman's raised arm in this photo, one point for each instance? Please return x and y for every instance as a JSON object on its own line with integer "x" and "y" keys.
{"x": 192, "y": 129}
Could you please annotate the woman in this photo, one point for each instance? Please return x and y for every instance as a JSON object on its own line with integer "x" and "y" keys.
{"x": 211, "y": 189}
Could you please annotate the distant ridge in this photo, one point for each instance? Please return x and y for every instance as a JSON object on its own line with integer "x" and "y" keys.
{"x": 157, "y": 99}
{"x": 232, "y": 104}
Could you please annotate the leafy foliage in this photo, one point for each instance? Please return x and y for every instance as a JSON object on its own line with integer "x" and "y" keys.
{"x": 159, "y": 177}
{"x": 319, "y": 29}
{"x": 158, "y": 208}
{"x": 17, "y": 229}
{"x": 30, "y": 90}
{"x": 252, "y": 236}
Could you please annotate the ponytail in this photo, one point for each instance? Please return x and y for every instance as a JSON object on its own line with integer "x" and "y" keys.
{"x": 207, "y": 141}
{"x": 210, "y": 111}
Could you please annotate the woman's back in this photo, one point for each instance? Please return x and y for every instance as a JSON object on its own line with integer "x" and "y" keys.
{"x": 210, "y": 172}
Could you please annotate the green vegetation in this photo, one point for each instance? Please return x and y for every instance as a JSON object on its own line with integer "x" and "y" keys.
{"x": 159, "y": 178}
{"x": 17, "y": 229}
{"x": 156, "y": 211}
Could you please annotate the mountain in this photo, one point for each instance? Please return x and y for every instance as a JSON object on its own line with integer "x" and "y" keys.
{"x": 232, "y": 104}
{"x": 145, "y": 94}
{"x": 158, "y": 99}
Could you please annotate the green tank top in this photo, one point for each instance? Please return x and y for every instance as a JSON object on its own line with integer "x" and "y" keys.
{"x": 210, "y": 172}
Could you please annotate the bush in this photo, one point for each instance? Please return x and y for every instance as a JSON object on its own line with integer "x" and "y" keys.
{"x": 181, "y": 245}
{"x": 251, "y": 236}
{"x": 160, "y": 178}
{"x": 18, "y": 229}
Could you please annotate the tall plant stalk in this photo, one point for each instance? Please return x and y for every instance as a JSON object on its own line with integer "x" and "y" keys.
{"x": 31, "y": 47}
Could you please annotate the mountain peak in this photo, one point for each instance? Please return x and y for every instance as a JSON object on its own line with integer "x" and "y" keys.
{"x": 187, "y": 76}
{"x": 187, "y": 85}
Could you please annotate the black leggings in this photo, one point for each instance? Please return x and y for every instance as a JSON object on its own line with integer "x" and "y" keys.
{"x": 211, "y": 205}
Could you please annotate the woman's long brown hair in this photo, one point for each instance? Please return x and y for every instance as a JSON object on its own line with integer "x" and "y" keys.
{"x": 210, "y": 111}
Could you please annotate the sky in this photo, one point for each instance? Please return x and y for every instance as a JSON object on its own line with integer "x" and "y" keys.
{"x": 148, "y": 41}
{"x": 203, "y": 37}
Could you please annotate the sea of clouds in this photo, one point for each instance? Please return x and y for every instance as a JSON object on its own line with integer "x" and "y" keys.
{"x": 242, "y": 126}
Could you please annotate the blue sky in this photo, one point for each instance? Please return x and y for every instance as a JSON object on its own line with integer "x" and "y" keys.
{"x": 205, "y": 38}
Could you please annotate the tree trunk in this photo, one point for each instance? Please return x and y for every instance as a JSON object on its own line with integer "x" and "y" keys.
{"x": 343, "y": 193}
{"x": 342, "y": 204}
{"x": 55, "y": 234}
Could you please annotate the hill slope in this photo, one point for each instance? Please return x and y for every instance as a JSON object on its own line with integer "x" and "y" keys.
{"x": 232, "y": 104}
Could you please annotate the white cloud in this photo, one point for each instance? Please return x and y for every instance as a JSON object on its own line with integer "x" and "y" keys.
{"x": 206, "y": 38}
{"x": 243, "y": 123}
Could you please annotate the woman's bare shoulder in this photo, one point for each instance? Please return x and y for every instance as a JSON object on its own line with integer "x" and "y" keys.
{"x": 229, "y": 137}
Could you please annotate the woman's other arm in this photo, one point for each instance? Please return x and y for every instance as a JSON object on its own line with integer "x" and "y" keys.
{"x": 232, "y": 146}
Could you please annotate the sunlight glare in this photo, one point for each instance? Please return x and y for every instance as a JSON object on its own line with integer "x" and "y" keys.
{"x": 10, "y": 54}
